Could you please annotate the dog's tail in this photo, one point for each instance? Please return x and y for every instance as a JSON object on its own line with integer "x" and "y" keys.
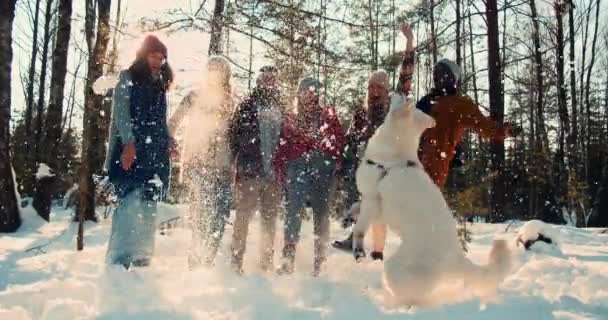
{"x": 485, "y": 279}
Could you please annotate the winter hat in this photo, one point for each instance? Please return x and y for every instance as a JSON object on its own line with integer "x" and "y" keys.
{"x": 379, "y": 76}
{"x": 264, "y": 71}
{"x": 307, "y": 83}
{"x": 268, "y": 68}
{"x": 151, "y": 44}
{"x": 447, "y": 75}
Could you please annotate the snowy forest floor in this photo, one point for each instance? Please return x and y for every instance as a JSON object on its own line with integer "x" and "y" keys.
{"x": 61, "y": 283}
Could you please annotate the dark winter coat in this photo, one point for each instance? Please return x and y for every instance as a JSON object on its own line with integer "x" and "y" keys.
{"x": 245, "y": 133}
{"x": 147, "y": 120}
{"x": 453, "y": 115}
{"x": 294, "y": 142}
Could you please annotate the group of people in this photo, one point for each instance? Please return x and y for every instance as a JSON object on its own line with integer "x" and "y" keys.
{"x": 251, "y": 154}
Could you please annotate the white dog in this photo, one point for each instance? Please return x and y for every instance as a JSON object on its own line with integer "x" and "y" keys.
{"x": 397, "y": 191}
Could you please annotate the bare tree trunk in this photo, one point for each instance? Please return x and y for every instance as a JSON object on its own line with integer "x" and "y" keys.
{"x": 533, "y": 161}
{"x": 215, "y": 43}
{"x": 497, "y": 150}
{"x": 251, "y": 23}
{"x": 561, "y": 96}
{"x": 536, "y": 111}
{"x": 394, "y": 38}
{"x": 93, "y": 140}
{"x": 573, "y": 97}
{"x": 473, "y": 70}
{"x": 540, "y": 85}
{"x": 10, "y": 219}
{"x": 48, "y": 17}
{"x": 503, "y": 48}
{"x": 458, "y": 34}
{"x": 581, "y": 140}
{"x": 29, "y": 106}
{"x": 113, "y": 56}
{"x": 587, "y": 91}
{"x": 606, "y": 93}
{"x": 433, "y": 32}
{"x": 373, "y": 35}
{"x": 564, "y": 149}
{"x": 66, "y": 124}
{"x": 55, "y": 109}
{"x": 89, "y": 24}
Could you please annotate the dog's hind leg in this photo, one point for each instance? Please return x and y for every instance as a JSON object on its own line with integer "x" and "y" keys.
{"x": 370, "y": 209}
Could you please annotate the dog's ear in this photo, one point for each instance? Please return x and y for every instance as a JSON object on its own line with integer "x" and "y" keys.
{"x": 423, "y": 120}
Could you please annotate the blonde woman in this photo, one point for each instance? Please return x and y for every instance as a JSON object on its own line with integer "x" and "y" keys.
{"x": 208, "y": 159}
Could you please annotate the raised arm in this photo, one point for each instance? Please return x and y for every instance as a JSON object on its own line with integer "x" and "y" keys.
{"x": 121, "y": 112}
{"x": 472, "y": 118}
{"x": 406, "y": 72}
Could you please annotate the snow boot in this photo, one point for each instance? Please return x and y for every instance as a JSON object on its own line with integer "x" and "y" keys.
{"x": 344, "y": 245}
{"x": 289, "y": 257}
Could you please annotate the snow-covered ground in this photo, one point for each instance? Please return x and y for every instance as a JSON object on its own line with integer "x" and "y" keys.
{"x": 61, "y": 283}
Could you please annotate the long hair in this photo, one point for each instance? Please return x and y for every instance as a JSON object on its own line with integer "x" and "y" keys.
{"x": 139, "y": 69}
{"x": 221, "y": 65}
{"x": 377, "y": 112}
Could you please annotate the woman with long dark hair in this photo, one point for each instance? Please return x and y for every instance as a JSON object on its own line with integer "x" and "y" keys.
{"x": 138, "y": 160}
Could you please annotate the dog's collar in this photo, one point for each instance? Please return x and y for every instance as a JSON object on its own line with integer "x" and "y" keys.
{"x": 384, "y": 169}
{"x": 408, "y": 163}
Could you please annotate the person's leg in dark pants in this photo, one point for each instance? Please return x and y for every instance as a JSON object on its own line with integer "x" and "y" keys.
{"x": 298, "y": 187}
{"x": 270, "y": 198}
{"x": 247, "y": 196}
{"x": 319, "y": 200}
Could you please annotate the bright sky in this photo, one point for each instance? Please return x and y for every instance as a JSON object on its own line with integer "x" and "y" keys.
{"x": 187, "y": 50}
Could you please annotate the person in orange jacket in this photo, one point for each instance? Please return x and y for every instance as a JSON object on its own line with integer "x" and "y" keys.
{"x": 454, "y": 114}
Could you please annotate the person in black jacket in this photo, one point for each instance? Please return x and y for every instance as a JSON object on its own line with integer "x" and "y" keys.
{"x": 254, "y": 136}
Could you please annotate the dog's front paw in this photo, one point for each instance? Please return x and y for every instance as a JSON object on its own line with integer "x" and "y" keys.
{"x": 359, "y": 254}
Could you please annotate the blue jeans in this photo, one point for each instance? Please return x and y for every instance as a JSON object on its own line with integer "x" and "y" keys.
{"x": 211, "y": 200}
{"x": 133, "y": 228}
{"x": 309, "y": 178}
